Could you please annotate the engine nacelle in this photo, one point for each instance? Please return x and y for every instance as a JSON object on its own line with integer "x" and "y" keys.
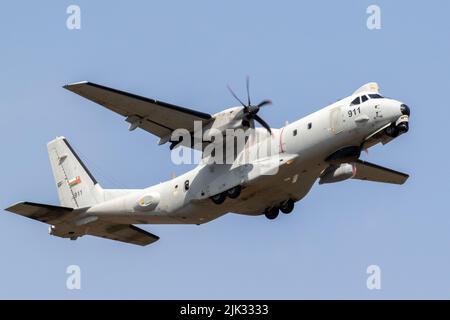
{"x": 228, "y": 119}
{"x": 337, "y": 173}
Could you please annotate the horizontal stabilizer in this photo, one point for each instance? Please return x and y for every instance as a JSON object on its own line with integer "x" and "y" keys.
{"x": 64, "y": 224}
{"x": 42, "y": 212}
{"x": 123, "y": 232}
{"x": 372, "y": 172}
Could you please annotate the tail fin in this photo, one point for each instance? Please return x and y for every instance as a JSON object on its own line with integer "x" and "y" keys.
{"x": 77, "y": 187}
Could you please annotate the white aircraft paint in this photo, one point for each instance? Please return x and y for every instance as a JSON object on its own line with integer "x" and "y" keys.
{"x": 312, "y": 147}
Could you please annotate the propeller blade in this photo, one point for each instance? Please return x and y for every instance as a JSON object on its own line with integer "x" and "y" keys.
{"x": 236, "y": 97}
{"x": 248, "y": 90}
{"x": 263, "y": 103}
{"x": 262, "y": 122}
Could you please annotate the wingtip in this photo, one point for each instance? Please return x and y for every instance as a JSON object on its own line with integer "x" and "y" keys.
{"x": 69, "y": 85}
{"x": 11, "y": 207}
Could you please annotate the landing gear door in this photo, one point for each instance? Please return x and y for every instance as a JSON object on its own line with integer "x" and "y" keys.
{"x": 336, "y": 121}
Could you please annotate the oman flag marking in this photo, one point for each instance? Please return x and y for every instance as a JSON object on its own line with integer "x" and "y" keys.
{"x": 74, "y": 181}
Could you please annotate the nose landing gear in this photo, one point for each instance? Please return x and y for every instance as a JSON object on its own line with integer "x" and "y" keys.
{"x": 394, "y": 131}
{"x": 403, "y": 127}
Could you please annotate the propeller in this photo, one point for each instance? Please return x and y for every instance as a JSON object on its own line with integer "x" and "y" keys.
{"x": 251, "y": 111}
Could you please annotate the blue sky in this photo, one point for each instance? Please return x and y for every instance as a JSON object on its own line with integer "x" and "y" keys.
{"x": 303, "y": 56}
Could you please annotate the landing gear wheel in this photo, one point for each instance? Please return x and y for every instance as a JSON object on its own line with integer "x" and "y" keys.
{"x": 403, "y": 127}
{"x": 272, "y": 213}
{"x": 234, "y": 192}
{"x": 392, "y": 132}
{"x": 218, "y": 198}
{"x": 287, "y": 207}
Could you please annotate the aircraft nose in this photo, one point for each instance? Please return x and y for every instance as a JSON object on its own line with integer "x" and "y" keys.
{"x": 405, "y": 110}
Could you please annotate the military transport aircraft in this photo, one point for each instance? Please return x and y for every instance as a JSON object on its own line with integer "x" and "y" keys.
{"x": 325, "y": 146}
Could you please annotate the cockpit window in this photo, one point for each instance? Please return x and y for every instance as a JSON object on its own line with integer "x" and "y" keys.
{"x": 364, "y": 99}
{"x": 355, "y": 102}
{"x": 375, "y": 96}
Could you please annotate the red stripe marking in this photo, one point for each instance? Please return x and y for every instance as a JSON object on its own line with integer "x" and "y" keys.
{"x": 281, "y": 140}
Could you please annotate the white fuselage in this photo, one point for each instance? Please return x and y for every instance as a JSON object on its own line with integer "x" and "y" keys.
{"x": 302, "y": 147}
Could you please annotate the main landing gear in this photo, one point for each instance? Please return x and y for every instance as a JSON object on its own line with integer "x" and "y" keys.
{"x": 272, "y": 213}
{"x": 232, "y": 193}
{"x": 219, "y": 198}
{"x": 285, "y": 207}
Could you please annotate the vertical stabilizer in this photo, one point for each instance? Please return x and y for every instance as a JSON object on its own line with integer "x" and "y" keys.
{"x": 76, "y": 186}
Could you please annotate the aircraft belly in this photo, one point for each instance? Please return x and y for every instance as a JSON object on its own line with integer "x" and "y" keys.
{"x": 191, "y": 214}
{"x": 291, "y": 183}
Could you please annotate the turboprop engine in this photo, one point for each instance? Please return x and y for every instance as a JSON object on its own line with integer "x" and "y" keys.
{"x": 336, "y": 173}
{"x": 243, "y": 117}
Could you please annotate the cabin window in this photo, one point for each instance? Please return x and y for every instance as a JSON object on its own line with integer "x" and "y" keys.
{"x": 364, "y": 99}
{"x": 294, "y": 132}
{"x": 355, "y": 102}
{"x": 310, "y": 125}
{"x": 186, "y": 185}
{"x": 375, "y": 96}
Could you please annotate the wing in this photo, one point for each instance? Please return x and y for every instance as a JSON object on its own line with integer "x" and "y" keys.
{"x": 122, "y": 232}
{"x": 372, "y": 172}
{"x": 67, "y": 224}
{"x": 41, "y": 212}
{"x": 156, "y": 117}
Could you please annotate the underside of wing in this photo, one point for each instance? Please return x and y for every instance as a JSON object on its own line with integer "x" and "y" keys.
{"x": 372, "y": 172}
{"x": 66, "y": 224}
{"x": 41, "y": 212}
{"x": 156, "y": 117}
{"x": 122, "y": 232}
